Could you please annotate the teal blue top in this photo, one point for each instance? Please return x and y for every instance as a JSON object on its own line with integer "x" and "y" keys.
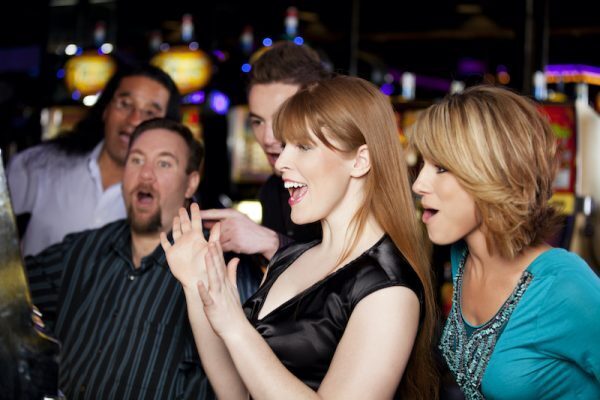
{"x": 544, "y": 342}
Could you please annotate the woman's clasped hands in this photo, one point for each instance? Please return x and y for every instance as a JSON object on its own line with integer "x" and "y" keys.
{"x": 199, "y": 265}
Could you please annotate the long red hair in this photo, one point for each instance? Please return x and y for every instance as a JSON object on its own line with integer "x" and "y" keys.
{"x": 354, "y": 112}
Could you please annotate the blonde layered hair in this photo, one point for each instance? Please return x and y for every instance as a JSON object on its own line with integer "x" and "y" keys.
{"x": 503, "y": 153}
{"x": 353, "y": 112}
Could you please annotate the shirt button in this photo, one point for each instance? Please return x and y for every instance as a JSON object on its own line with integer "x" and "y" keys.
{"x": 131, "y": 277}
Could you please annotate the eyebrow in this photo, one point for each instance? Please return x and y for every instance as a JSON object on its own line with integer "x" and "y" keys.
{"x": 127, "y": 93}
{"x": 252, "y": 115}
{"x": 161, "y": 154}
{"x": 170, "y": 155}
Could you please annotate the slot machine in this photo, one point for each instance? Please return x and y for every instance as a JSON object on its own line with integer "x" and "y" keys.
{"x": 28, "y": 356}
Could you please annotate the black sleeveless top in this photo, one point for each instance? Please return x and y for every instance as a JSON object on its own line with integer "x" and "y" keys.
{"x": 304, "y": 331}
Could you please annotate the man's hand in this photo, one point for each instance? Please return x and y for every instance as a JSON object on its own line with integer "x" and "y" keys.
{"x": 240, "y": 234}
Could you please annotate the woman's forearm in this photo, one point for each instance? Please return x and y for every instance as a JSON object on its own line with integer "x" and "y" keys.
{"x": 262, "y": 372}
{"x": 215, "y": 358}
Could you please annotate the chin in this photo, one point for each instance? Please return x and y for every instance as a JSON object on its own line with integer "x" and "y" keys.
{"x": 146, "y": 225}
{"x": 442, "y": 241}
{"x": 302, "y": 220}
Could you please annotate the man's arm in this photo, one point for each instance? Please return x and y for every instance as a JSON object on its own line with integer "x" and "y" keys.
{"x": 23, "y": 184}
{"x": 22, "y": 181}
{"x": 45, "y": 274}
{"x": 240, "y": 234}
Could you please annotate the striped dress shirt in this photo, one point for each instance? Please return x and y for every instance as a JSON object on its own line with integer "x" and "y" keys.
{"x": 124, "y": 331}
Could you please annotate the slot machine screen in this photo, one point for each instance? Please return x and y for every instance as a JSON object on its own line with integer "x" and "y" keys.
{"x": 249, "y": 164}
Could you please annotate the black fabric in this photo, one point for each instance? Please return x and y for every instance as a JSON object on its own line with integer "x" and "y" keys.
{"x": 305, "y": 330}
{"x": 124, "y": 331}
{"x": 249, "y": 274}
{"x": 276, "y": 214}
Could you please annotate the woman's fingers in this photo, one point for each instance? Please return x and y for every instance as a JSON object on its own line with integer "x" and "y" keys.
{"x": 232, "y": 271}
{"x": 164, "y": 242}
{"x": 214, "y": 281}
{"x": 218, "y": 260}
{"x": 176, "y": 229}
{"x": 215, "y": 233}
{"x": 204, "y": 295}
{"x": 184, "y": 219}
{"x": 182, "y": 225}
{"x": 196, "y": 218}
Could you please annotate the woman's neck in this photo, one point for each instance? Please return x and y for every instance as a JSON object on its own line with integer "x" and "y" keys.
{"x": 337, "y": 236}
{"x": 489, "y": 279}
{"x": 484, "y": 264}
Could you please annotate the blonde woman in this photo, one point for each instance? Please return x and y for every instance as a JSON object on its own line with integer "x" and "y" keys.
{"x": 525, "y": 319}
{"x": 347, "y": 317}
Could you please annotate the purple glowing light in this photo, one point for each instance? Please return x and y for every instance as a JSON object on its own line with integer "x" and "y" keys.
{"x": 571, "y": 69}
{"x": 219, "y": 102}
{"x": 219, "y": 55}
{"x": 387, "y": 89}
{"x": 434, "y": 83}
{"x": 195, "y": 98}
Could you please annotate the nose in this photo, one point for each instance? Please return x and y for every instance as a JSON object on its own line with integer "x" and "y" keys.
{"x": 147, "y": 172}
{"x": 282, "y": 162}
{"x": 421, "y": 186}
{"x": 269, "y": 138}
{"x": 135, "y": 117}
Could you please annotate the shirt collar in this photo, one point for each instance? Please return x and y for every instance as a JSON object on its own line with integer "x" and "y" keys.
{"x": 92, "y": 157}
{"x": 122, "y": 246}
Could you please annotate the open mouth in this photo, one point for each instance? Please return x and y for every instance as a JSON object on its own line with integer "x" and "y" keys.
{"x": 428, "y": 213}
{"x": 297, "y": 191}
{"x": 124, "y": 137}
{"x": 144, "y": 197}
{"x": 272, "y": 157}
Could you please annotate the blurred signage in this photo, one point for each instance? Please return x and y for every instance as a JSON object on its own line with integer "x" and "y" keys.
{"x": 88, "y": 72}
{"x": 190, "y": 69}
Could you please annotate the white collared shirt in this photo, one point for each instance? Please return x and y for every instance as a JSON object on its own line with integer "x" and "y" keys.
{"x": 62, "y": 192}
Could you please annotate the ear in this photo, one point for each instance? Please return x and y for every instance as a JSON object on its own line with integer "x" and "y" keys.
{"x": 193, "y": 181}
{"x": 362, "y": 162}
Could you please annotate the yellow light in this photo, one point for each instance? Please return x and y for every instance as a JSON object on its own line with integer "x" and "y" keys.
{"x": 565, "y": 202}
{"x": 88, "y": 72}
{"x": 251, "y": 208}
{"x": 190, "y": 69}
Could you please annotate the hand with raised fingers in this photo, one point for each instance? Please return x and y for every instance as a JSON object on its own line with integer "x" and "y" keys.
{"x": 220, "y": 294}
{"x": 186, "y": 255}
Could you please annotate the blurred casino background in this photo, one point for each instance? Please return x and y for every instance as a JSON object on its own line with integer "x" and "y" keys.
{"x": 56, "y": 55}
{"x": 441, "y": 45}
